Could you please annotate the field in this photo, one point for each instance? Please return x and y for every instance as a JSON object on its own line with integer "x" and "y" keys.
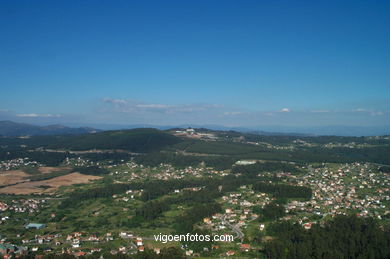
{"x": 50, "y": 169}
{"x": 47, "y": 186}
{"x": 12, "y": 177}
{"x": 106, "y": 201}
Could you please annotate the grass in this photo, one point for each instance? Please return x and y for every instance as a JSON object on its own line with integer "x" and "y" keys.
{"x": 31, "y": 170}
{"x": 41, "y": 176}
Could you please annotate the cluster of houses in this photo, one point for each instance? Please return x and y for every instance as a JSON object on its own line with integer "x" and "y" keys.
{"x": 16, "y": 163}
{"x": 346, "y": 145}
{"x": 79, "y": 162}
{"x": 163, "y": 172}
{"x": 169, "y": 172}
{"x": 11, "y": 251}
{"x": 192, "y": 133}
{"x": 3, "y": 206}
{"x": 237, "y": 216}
{"x": 303, "y": 143}
{"x": 337, "y": 190}
{"x": 129, "y": 195}
{"x": 22, "y": 205}
{"x": 75, "y": 243}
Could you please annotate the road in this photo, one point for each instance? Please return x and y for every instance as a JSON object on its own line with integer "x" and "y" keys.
{"x": 236, "y": 229}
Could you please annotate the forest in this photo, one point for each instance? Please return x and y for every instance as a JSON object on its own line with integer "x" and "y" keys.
{"x": 342, "y": 237}
{"x": 283, "y": 190}
{"x": 258, "y": 167}
{"x": 163, "y": 147}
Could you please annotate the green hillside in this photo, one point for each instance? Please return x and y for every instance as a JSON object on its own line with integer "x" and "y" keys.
{"x": 136, "y": 140}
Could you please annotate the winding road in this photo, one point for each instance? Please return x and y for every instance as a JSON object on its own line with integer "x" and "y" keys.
{"x": 236, "y": 229}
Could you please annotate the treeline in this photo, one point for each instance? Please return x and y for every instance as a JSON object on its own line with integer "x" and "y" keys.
{"x": 155, "y": 189}
{"x": 283, "y": 139}
{"x": 213, "y": 189}
{"x": 156, "y": 158}
{"x": 106, "y": 191}
{"x": 258, "y": 167}
{"x": 91, "y": 170}
{"x": 181, "y": 161}
{"x": 384, "y": 169}
{"x": 154, "y": 208}
{"x": 202, "y": 205}
{"x": 283, "y": 190}
{"x": 136, "y": 140}
{"x": 115, "y": 157}
{"x": 376, "y": 154}
{"x": 185, "y": 223}
{"x": 343, "y": 237}
{"x": 151, "y": 190}
{"x": 46, "y": 158}
{"x": 270, "y": 211}
{"x": 223, "y": 148}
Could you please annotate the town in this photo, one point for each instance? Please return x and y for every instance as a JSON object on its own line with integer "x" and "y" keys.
{"x": 336, "y": 189}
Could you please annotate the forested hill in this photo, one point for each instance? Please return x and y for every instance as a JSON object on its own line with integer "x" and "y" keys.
{"x": 221, "y": 152}
{"x": 10, "y": 128}
{"x": 135, "y": 140}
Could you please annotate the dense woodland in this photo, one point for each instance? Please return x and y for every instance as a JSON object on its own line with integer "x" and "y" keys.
{"x": 137, "y": 140}
{"x": 256, "y": 168}
{"x": 219, "y": 154}
{"x": 271, "y": 211}
{"x": 343, "y": 237}
{"x": 283, "y": 190}
{"x": 181, "y": 161}
{"x": 165, "y": 253}
{"x": 385, "y": 169}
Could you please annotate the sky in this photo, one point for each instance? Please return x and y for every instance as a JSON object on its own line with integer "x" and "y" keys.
{"x": 233, "y": 63}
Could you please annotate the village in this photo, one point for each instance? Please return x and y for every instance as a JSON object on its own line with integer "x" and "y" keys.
{"x": 339, "y": 189}
{"x": 336, "y": 189}
{"x": 16, "y": 163}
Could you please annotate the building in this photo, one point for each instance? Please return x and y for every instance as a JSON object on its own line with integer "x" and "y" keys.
{"x": 35, "y": 225}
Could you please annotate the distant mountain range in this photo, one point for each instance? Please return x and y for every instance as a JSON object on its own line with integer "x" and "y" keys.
{"x": 270, "y": 130}
{"x": 12, "y": 129}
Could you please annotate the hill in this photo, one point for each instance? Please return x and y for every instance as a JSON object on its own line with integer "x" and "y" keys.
{"x": 135, "y": 140}
{"x": 13, "y": 129}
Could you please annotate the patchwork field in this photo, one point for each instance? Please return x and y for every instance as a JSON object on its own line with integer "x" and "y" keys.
{"x": 47, "y": 186}
{"x": 48, "y": 169}
{"x": 12, "y": 177}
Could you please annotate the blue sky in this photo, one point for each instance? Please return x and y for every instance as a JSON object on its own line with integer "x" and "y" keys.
{"x": 233, "y": 63}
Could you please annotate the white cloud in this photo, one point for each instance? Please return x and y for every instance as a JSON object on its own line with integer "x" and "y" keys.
{"x": 360, "y": 110}
{"x": 130, "y": 106}
{"x": 36, "y": 115}
{"x": 369, "y": 111}
{"x": 285, "y": 110}
{"x": 154, "y": 106}
{"x": 376, "y": 113}
{"x": 115, "y": 101}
